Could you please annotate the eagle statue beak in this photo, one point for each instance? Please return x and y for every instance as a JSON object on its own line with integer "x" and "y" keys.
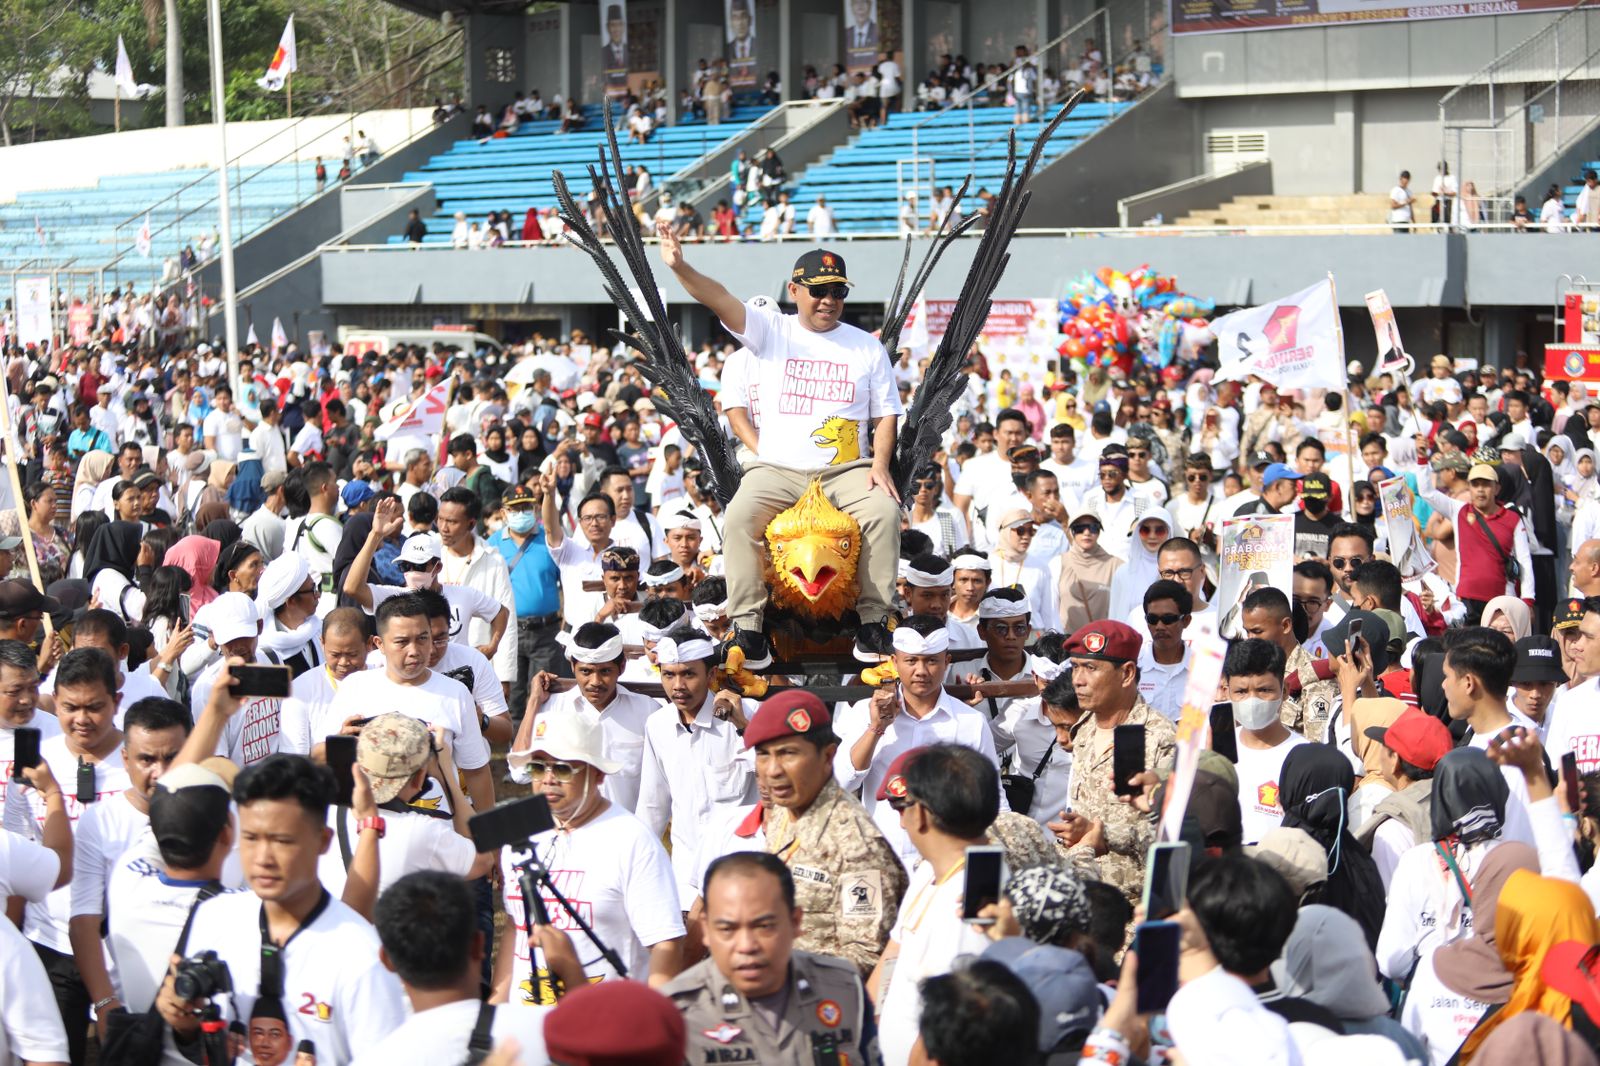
{"x": 813, "y": 563}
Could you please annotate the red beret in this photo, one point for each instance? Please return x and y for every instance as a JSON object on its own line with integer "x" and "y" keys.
{"x": 894, "y": 782}
{"x": 582, "y": 1030}
{"x": 1112, "y": 641}
{"x": 789, "y": 713}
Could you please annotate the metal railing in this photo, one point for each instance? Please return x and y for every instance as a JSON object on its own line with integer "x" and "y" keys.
{"x": 1520, "y": 111}
{"x": 202, "y": 193}
{"x": 692, "y": 178}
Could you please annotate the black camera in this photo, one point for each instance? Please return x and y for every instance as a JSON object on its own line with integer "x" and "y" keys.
{"x": 201, "y": 977}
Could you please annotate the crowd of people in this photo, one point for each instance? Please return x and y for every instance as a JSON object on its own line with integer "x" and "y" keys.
{"x": 268, "y": 647}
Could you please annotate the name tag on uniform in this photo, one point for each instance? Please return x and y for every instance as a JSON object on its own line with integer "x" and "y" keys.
{"x": 810, "y": 873}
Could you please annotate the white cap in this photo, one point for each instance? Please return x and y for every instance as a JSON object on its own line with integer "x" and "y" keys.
{"x": 421, "y": 548}
{"x": 231, "y": 616}
{"x": 566, "y": 734}
{"x": 587, "y": 400}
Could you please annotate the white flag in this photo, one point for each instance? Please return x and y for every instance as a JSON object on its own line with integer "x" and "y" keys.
{"x": 250, "y": 339}
{"x": 425, "y": 417}
{"x": 1293, "y": 343}
{"x": 142, "y": 241}
{"x": 280, "y": 338}
{"x": 38, "y": 231}
{"x": 127, "y": 84}
{"x": 283, "y": 61}
{"x": 916, "y": 330}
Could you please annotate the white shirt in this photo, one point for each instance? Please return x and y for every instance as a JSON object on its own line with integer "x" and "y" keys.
{"x": 687, "y": 773}
{"x": 102, "y": 834}
{"x": 30, "y": 1021}
{"x": 437, "y": 700}
{"x": 411, "y": 841}
{"x": 266, "y": 440}
{"x": 251, "y": 733}
{"x": 1259, "y": 770}
{"x": 466, "y": 603}
{"x": 949, "y": 722}
{"x": 438, "y": 1036}
{"x": 46, "y": 923}
{"x": 614, "y": 872}
{"x": 931, "y": 936}
{"x": 484, "y": 569}
{"x": 1574, "y": 725}
{"x": 304, "y": 721}
{"x": 622, "y": 733}
{"x": 1439, "y": 1016}
{"x": 27, "y": 869}
{"x": 819, "y": 220}
{"x": 1402, "y": 196}
{"x": 1024, "y": 734}
{"x": 336, "y": 992}
{"x": 815, "y": 387}
{"x": 1161, "y": 685}
{"x": 223, "y": 433}
{"x": 578, "y": 563}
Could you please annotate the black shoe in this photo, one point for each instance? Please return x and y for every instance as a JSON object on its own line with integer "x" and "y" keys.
{"x": 753, "y": 643}
{"x": 874, "y": 642}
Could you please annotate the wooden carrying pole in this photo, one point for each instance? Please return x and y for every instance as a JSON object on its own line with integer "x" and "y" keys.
{"x": 7, "y": 431}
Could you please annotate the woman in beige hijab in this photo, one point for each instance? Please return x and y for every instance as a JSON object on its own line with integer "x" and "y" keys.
{"x": 1086, "y": 569}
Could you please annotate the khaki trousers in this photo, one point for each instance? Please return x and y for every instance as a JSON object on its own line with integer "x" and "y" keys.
{"x": 765, "y": 491}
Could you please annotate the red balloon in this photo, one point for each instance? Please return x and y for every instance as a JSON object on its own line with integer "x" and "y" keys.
{"x": 1074, "y": 348}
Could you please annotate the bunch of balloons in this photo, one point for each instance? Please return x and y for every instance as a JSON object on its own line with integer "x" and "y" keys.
{"x": 1109, "y": 318}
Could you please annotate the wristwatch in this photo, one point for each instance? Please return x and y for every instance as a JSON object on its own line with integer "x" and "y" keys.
{"x": 375, "y": 822}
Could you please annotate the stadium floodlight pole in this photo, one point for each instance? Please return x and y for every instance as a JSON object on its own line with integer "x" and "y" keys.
{"x": 230, "y": 308}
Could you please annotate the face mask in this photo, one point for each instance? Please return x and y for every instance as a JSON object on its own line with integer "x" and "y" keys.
{"x": 1253, "y": 713}
{"x": 418, "y": 579}
{"x": 521, "y": 521}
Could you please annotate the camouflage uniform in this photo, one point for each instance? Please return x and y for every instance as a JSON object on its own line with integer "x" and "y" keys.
{"x": 1308, "y": 713}
{"x": 826, "y": 1002}
{"x": 846, "y": 876}
{"x": 1128, "y": 833}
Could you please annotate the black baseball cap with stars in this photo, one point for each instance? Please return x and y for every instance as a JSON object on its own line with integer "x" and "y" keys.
{"x": 819, "y": 267}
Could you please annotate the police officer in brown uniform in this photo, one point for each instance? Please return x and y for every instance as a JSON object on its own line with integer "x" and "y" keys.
{"x": 757, "y": 999}
{"x": 848, "y": 879}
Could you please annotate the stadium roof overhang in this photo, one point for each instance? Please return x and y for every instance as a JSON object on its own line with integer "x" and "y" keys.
{"x": 461, "y": 8}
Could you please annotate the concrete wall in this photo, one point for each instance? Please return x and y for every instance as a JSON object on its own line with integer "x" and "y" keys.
{"x": 1174, "y": 201}
{"x": 1432, "y": 53}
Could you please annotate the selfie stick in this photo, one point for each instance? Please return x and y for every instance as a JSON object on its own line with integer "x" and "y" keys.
{"x": 531, "y": 874}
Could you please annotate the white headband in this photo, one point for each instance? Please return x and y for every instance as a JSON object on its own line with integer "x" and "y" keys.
{"x": 992, "y": 606}
{"x": 710, "y": 612}
{"x": 670, "y": 652}
{"x": 968, "y": 561}
{"x": 1045, "y": 669}
{"x": 608, "y": 652}
{"x": 655, "y": 581}
{"x": 908, "y": 641}
{"x": 924, "y": 579}
{"x": 680, "y": 520}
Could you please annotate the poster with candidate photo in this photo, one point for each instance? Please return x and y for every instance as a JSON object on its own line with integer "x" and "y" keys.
{"x": 614, "y": 45}
{"x": 1254, "y": 552}
{"x": 860, "y": 34}
{"x": 741, "y": 23}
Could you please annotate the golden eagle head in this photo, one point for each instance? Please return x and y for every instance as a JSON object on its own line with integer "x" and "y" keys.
{"x": 813, "y": 548}
{"x": 843, "y": 435}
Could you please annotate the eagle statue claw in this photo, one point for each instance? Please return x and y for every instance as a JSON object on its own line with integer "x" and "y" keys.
{"x": 882, "y": 674}
{"x": 733, "y": 673}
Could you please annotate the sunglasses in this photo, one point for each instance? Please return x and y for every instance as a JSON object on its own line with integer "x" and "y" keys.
{"x": 1013, "y": 629}
{"x": 822, "y": 292}
{"x": 413, "y": 568}
{"x": 1192, "y": 478}
{"x": 562, "y": 771}
{"x": 1161, "y": 619}
{"x": 1025, "y": 531}
{"x": 1085, "y": 527}
{"x": 1132, "y": 454}
{"x": 1342, "y": 563}
{"x": 900, "y": 803}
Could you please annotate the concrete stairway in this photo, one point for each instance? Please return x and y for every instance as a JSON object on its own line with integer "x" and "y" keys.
{"x": 1371, "y": 209}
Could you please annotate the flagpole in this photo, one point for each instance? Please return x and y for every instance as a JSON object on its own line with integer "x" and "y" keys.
{"x": 1349, "y": 449}
{"x": 230, "y": 309}
{"x": 288, "y": 90}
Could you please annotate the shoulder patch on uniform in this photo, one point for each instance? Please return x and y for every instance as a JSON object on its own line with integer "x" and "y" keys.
{"x": 861, "y": 895}
{"x": 724, "y": 1033}
{"x": 829, "y": 1013}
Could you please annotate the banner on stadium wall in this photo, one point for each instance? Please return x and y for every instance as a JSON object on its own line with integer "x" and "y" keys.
{"x": 614, "y": 45}
{"x": 1405, "y": 546}
{"x": 1229, "y": 16}
{"x": 33, "y": 312}
{"x": 1254, "y": 551}
{"x": 1020, "y": 336}
{"x": 860, "y": 34}
{"x": 740, "y": 19}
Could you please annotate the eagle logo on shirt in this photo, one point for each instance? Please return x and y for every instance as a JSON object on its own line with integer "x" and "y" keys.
{"x": 843, "y": 435}
{"x": 1267, "y": 794}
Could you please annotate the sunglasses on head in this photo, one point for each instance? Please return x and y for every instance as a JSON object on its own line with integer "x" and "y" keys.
{"x": 1161, "y": 619}
{"x": 562, "y": 771}
{"x": 822, "y": 292}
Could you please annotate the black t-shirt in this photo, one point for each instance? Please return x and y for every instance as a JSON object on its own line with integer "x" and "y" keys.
{"x": 1311, "y": 535}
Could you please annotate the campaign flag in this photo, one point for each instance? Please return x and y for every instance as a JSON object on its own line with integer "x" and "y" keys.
{"x": 916, "y": 331}
{"x": 280, "y": 337}
{"x": 127, "y": 84}
{"x": 283, "y": 62}
{"x": 1405, "y": 545}
{"x": 1392, "y": 357}
{"x": 1294, "y": 343}
{"x": 1255, "y": 551}
{"x": 142, "y": 240}
{"x": 250, "y": 338}
{"x": 425, "y": 417}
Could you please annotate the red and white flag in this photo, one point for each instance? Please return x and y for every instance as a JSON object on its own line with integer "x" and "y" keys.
{"x": 424, "y": 418}
{"x": 1293, "y": 343}
{"x": 283, "y": 62}
{"x": 280, "y": 336}
{"x": 142, "y": 241}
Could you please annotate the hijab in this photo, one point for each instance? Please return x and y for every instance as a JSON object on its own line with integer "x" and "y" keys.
{"x": 220, "y": 470}
{"x": 1314, "y": 789}
{"x": 1429, "y": 667}
{"x": 1566, "y": 471}
{"x": 246, "y": 493}
{"x": 1585, "y": 487}
{"x": 211, "y": 511}
{"x": 92, "y": 469}
{"x": 115, "y": 546}
{"x": 1471, "y": 967}
{"x": 1535, "y": 914}
{"x": 1366, "y": 714}
{"x": 1516, "y": 612}
{"x": 1325, "y": 961}
{"x": 222, "y": 530}
{"x": 197, "y": 557}
{"x": 1468, "y": 802}
{"x": 1534, "y": 1040}
{"x": 1140, "y": 571}
{"x": 1084, "y": 586}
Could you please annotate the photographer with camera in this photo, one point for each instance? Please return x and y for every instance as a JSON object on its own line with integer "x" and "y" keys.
{"x": 287, "y": 939}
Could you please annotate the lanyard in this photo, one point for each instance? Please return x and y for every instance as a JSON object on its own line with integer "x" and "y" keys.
{"x": 271, "y": 980}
